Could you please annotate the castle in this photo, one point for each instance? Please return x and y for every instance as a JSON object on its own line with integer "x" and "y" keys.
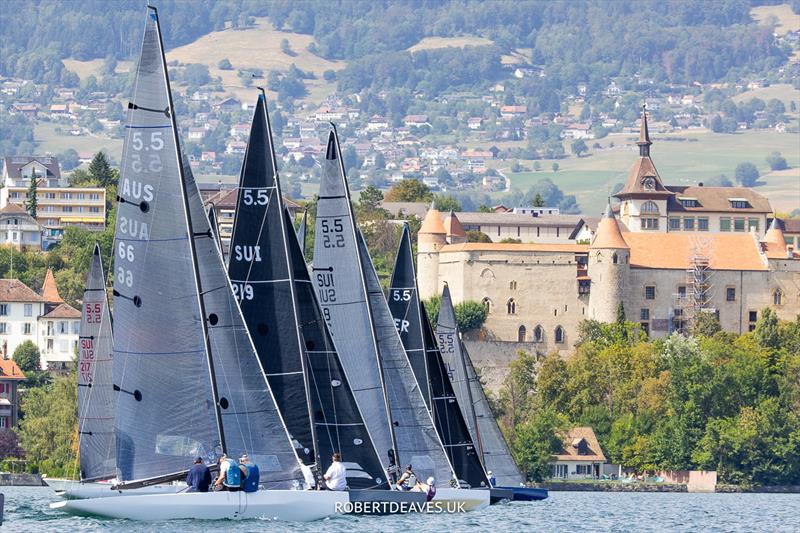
{"x": 672, "y": 252}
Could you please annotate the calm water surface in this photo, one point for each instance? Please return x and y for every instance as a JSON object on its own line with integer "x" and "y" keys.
{"x": 27, "y": 509}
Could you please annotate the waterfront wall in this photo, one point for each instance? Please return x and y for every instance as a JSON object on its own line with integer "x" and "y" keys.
{"x": 21, "y": 480}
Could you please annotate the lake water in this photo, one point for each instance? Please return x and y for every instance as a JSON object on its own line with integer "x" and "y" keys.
{"x": 26, "y": 509}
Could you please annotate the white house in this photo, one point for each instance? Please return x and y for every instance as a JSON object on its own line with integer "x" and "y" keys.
{"x": 18, "y": 228}
{"x": 581, "y": 456}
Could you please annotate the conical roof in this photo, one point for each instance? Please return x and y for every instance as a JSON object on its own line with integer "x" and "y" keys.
{"x": 50, "y": 289}
{"x": 453, "y": 226}
{"x": 433, "y": 222}
{"x": 774, "y": 234}
{"x": 608, "y": 234}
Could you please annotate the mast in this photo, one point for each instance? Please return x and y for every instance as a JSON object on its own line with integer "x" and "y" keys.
{"x": 198, "y": 283}
{"x": 421, "y": 332}
{"x": 292, "y": 290}
{"x": 366, "y": 299}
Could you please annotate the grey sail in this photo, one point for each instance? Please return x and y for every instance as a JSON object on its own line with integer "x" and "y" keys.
{"x": 301, "y": 232}
{"x": 187, "y": 378}
{"x": 340, "y": 286}
{"x": 95, "y": 384}
{"x": 418, "y": 442}
{"x": 165, "y": 412}
{"x": 475, "y": 407}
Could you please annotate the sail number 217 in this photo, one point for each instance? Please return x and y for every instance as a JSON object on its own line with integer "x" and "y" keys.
{"x": 332, "y": 236}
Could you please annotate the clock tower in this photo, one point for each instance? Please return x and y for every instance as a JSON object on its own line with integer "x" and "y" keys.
{"x": 643, "y": 199}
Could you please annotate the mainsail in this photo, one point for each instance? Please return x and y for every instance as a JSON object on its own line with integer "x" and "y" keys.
{"x": 262, "y": 279}
{"x": 415, "y": 331}
{"x": 474, "y": 405}
{"x": 95, "y": 392}
{"x": 188, "y": 379}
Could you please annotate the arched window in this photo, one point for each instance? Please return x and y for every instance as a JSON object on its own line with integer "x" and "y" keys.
{"x": 777, "y": 297}
{"x": 521, "y": 334}
{"x": 512, "y": 285}
{"x": 511, "y": 306}
{"x": 649, "y": 208}
{"x": 538, "y": 334}
{"x": 487, "y": 304}
{"x": 487, "y": 273}
{"x": 559, "y": 335}
{"x": 615, "y": 258}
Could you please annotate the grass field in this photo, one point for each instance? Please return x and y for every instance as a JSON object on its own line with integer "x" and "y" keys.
{"x": 48, "y": 141}
{"x": 256, "y": 47}
{"x": 786, "y": 19}
{"x": 591, "y": 177}
{"x": 431, "y": 43}
{"x": 84, "y": 69}
{"x": 782, "y": 91}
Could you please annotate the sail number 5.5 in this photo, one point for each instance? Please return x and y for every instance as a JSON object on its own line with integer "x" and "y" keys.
{"x": 332, "y": 236}
{"x": 139, "y": 144}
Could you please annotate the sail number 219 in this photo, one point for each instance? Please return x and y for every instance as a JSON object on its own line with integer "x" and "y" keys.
{"x": 332, "y": 236}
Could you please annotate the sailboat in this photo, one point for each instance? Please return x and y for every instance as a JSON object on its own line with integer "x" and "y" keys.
{"x": 186, "y": 373}
{"x": 371, "y": 351}
{"x": 279, "y": 304}
{"x": 475, "y": 407}
{"x": 431, "y": 373}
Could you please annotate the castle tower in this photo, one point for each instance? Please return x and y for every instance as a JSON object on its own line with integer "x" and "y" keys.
{"x": 609, "y": 262}
{"x": 643, "y": 199}
{"x": 432, "y": 236}
{"x": 774, "y": 244}
{"x": 455, "y": 231}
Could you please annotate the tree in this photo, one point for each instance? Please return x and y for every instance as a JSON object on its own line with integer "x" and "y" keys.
{"x": 766, "y": 331}
{"x": 286, "y": 48}
{"x": 705, "y": 325}
{"x": 409, "y": 190}
{"x": 69, "y": 159}
{"x": 224, "y": 64}
{"x": 474, "y": 235}
{"x": 370, "y": 198}
{"x": 538, "y": 201}
{"x": 578, "y": 147}
{"x": 33, "y": 200}
{"x": 537, "y": 440}
{"x": 9, "y": 444}
{"x": 446, "y": 203}
{"x": 555, "y": 167}
{"x": 100, "y": 170}
{"x": 747, "y": 174}
{"x": 329, "y": 75}
{"x": 537, "y": 166}
{"x": 776, "y": 161}
{"x": 470, "y": 315}
{"x": 27, "y": 357}
{"x": 516, "y": 394}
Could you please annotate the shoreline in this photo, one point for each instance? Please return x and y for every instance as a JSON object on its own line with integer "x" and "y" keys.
{"x": 21, "y": 480}
{"x": 663, "y": 487}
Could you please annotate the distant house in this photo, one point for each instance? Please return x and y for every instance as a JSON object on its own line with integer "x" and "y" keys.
{"x": 415, "y": 121}
{"x": 578, "y": 131}
{"x": 240, "y": 131}
{"x": 10, "y": 377}
{"x": 197, "y": 133}
{"x": 581, "y": 456}
{"x": 227, "y": 105}
{"x": 377, "y": 123}
{"x": 511, "y": 111}
{"x": 26, "y": 109}
{"x": 18, "y": 228}
{"x": 235, "y": 147}
{"x": 474, "y": 123}
{"x": 59, "y": 111}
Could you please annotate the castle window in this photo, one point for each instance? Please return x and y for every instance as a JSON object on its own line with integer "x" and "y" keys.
{"x": 724, "y": 224}
{"x": 646, "y": 328}
{"x": 614, "y": 258}
{"x": 559, "y": 335}
{"x": 730, "y": 294}
{"x": 648, "y": 223}
{"x": 584, "y": 286}
{"x": 777, "y": 297}
{"x": 739, "y": 203}
{"x": 674, "y": 224}
{"x": 688, "y": 223}
{"x": 521, "y": 334}
{"x": 702, "y": 224}
{"x": 752, "y": 224}
{"x": 650, "y": 292}
{"x": 511, "y": 307}
{"x": 538, "y": 334}
{"x": 644, "y": 314}
{"x": 681, "y": 292}
{"x": 649, "y": 208}
{"x": 487, "y": 304}
{"x": 688, "y": 202}
{"x": 738, "y": 224}
{"x": 512, "y": 285}
{"x": 752, "y": 318}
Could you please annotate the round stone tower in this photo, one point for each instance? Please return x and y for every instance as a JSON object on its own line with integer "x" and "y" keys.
{"x": 609, "y": 263}
{"x": 432, "y": 236}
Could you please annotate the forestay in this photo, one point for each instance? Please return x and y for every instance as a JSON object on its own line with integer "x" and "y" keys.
{"x": 474, "y": 405}
{"x": 417, "y": 336}
{"x": 95, "y": 384}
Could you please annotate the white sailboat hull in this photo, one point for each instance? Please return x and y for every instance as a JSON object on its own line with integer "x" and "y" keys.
{"x": 283, "y": 505}
{"x": 457, "y": 500}
{"x": 82, "y": 491}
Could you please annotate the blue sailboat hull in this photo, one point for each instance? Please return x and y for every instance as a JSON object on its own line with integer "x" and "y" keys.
{"x": 526, "y": 494}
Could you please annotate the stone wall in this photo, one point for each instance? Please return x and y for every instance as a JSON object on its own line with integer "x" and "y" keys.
{"x": 21, "y": 480}
{"x": 491, "y": 359}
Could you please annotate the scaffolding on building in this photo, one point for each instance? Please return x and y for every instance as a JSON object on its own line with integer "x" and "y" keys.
{"x": 694, "y": 295}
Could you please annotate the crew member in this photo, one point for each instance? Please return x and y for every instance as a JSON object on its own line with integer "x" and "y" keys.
{"x": 428, "y": 488}
{"x": 336, "y": 476}
{"x": 250, "y": 474}
{"x": 199, "y": 477}
{"x": 230, "y": 477}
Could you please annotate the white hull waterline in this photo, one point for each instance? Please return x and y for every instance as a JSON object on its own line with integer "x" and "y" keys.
{"x": 82, "y": 491}
{"x": 472, "y": 499}
{"x": 283, "y": 505}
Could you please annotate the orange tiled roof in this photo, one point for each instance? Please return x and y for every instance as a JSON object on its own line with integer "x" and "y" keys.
{"x": 13, "y": 290}
{"x": 738, "y": 251}
{"x": 608, "y": 234}
{"x": 433, "y": 223}
{"x": 569, "y": 451}
{"x": 453, "y": 226}
{"x": 644, "y": 166}
{"x": 514, "y": 247}
{"x": 10, "y": 370}
{"x": 11, "y": 207}
{"x": 63, "y": 311}
{"x": 50, "y": 289}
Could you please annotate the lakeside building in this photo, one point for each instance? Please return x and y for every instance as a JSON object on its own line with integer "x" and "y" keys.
{"x": 10, "y": 377}
{"x": 18, "y": 228}
{"x": 58, "y": 205}
{"x": 44, "y": 319}
{"x": 539, "y": 293}
{"x": 580, "y": 457}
